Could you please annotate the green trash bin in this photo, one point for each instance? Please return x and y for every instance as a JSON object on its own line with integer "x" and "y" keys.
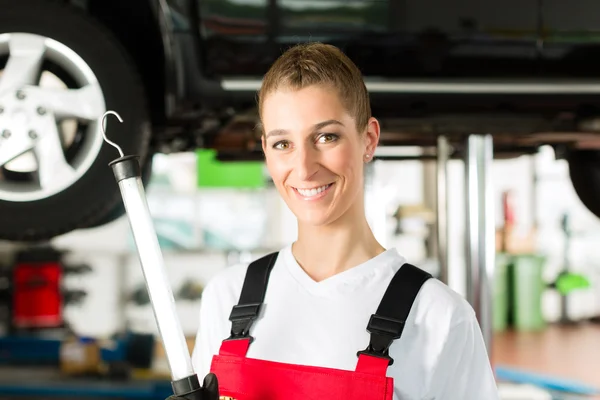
{"x": 527, "y": 290}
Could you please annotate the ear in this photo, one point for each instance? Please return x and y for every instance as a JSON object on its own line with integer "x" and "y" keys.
{"x": 264, "y": 143}
{"x": 372, "y": 134}
{"x": 259, "y": 128}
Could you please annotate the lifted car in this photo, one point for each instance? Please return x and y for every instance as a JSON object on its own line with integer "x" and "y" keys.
{"x": 183, "y": 74}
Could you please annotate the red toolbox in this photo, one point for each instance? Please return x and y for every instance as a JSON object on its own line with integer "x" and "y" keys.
{"x": 37, "y": 295}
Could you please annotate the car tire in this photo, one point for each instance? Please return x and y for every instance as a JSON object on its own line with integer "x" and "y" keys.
{"x": 94, "y": 194}
{"x": 584, "y": 170}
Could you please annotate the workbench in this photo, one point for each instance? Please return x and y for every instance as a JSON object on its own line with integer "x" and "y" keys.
{"x": 47, "y": 382}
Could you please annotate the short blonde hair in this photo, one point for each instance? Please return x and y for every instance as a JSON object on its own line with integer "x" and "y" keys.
{"x": 319, "y": 64}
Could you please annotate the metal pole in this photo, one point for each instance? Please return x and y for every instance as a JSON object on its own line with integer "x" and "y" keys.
{"x": 480, "y": 237}
{"x": 376, "y": 215}
{"x": 443, "y": 151}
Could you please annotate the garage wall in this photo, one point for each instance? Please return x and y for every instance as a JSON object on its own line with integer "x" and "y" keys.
{"x": 116, "y": 268}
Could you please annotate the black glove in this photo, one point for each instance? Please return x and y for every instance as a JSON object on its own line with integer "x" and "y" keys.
{"x": 209, "y": 390}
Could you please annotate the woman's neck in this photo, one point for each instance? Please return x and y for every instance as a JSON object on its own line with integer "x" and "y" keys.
{"x": 324, "y": 251}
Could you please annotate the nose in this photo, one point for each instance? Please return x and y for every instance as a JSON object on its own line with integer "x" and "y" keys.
{"x": 306, "y": 162}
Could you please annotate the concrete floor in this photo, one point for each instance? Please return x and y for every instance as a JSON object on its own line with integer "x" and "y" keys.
{"x": 566, "y": 352}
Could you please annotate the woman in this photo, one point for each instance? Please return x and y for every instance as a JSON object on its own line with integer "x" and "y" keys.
{"x": 304, "y": 324}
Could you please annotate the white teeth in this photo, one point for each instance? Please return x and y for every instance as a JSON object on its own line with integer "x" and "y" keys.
{"x": 312, "y": 192}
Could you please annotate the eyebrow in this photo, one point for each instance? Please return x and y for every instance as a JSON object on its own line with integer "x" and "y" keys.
{"x": 316, "y": 127}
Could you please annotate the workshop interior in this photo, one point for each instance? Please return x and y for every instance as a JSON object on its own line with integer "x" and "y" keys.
{"x": 487, "y": 174}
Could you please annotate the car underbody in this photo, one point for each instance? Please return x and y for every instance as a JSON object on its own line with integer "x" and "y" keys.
{"x": 184, "y": 76}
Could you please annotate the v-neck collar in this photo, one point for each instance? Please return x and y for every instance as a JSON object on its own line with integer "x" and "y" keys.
{"x": 346, "y": 281}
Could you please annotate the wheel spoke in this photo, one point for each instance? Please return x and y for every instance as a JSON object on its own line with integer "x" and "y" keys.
{"x": 53, "y": 168}
{"x": 24, "y": 63}
{"x": 85, "y": 104}
{"x": 13, "y": 148}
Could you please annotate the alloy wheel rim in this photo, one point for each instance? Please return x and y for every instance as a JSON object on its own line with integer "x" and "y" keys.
{"x": 32, "y": 117}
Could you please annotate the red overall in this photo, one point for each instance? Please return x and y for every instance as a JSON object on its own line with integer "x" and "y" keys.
{"x": 244, "y": 378}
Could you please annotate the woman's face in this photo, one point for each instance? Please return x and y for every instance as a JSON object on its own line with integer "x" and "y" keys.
{"x": 314, "y": 153}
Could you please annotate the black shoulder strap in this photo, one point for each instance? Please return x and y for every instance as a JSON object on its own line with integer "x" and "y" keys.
{"x": 252, "y": 296}
{"x": 387, "y": 324}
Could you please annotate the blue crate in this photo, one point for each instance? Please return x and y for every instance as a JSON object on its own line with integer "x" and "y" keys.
{"x": 29, "y": 350}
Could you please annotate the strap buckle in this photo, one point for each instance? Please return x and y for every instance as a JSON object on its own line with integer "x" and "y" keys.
{"x": 383, "y": 333}
{"x": 242, "y": 317}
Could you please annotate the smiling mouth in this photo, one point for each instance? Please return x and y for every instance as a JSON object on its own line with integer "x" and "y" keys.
{"x": 312, "y": 192}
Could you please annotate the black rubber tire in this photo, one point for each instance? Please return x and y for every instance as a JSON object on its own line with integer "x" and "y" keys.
{"x": 584, "y": 170}
{"x": 96, "y": 193}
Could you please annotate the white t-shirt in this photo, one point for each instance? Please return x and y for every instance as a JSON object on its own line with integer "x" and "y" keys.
{"x": 441, "y": 354}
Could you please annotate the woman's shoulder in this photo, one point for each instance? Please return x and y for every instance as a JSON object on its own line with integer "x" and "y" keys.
{"x": 437, "y": 302}
{"x": 228, "y": 281}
